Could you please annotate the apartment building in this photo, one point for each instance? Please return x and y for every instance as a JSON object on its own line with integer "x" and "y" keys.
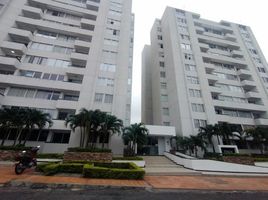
{"x": 63, "y": 55}
{"x": 197, "y": 72}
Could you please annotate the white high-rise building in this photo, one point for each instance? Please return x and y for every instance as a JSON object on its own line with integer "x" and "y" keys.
{"x": 198, "y": 72}
{"x": 63, "y": 55}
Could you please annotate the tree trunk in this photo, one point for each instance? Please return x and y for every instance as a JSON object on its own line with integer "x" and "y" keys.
{"x": 16, "y": 137}
{"x": 218, "y": 140}
{"x": 27, "y": 136}
{"x": 213, "y": 148}
{"x": 5, "y": 137}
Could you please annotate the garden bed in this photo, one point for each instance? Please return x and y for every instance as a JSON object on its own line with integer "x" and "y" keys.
{"x": 95, "y": 170}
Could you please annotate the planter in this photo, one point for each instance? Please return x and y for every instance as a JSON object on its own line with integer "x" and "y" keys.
{"x": 6, "y": 155}
{"x": 245, "y": 160}
{"x": 88, "y": 156}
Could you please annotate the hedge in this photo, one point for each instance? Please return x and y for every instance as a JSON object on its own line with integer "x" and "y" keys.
{"x": 14, "y": 148}
{"x": 51, "y": 169}
{"x": 50, "y": 155}
{"x": 128, "y": 158}
{"x": 93, "y": 150}
{"x": 96, "y": 171}
{"x": 260, "y": 159}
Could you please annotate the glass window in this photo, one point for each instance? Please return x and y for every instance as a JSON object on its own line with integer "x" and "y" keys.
{"x": 163, "y": 85}
{"x": 108, "y": 98}
{"x": 165, "y": 111}
{"x": 164, "y": 98}
{"x": 98, "y": 97}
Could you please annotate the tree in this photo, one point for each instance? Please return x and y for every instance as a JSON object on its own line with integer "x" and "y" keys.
{"x": 226, "y": 132}
{"x": 259, "y": 135}
{"x": 195, "y": 142}
{"x": 110, "y": 126}
{"x": 207, "y": 133}
{"x": 135, "y": 134}
{"x": 36, "y": 118}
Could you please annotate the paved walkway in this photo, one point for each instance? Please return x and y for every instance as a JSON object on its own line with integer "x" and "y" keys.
{"x": 192, "y": 182}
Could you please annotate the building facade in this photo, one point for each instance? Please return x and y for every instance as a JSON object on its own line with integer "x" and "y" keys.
{"x": 197, "y": 72}
{"x": 63, "y": 55}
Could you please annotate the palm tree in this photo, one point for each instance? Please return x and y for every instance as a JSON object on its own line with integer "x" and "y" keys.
{"x": 259, "y": 135}
{"x": 135, "y": 134}
{"x": 225, "y": 132}
{"x": 207, "y": 133}
{"x": 195, "y": 142}
{"x": 109, "y": 126}
{"x": 36, "y": 118}
{"x": 183, "y": 143}
{"x": 18, "y": 121}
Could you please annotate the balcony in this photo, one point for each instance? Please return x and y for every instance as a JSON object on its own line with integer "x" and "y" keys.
{"x": 13, "y": 49}
{"x": 215, "y": 90}
{"x": 204, "y": 47}
{"x": 92, "y": 5}
{"x": 65, "y": 104}
{"x": 253, "y": 95}
{"x": 234, "y": 120}
{"x": 240, "y": 106}
{"x": 209, "y": 67}
{"x": 248, "y": 85}
{"x": 82, "y": 46}
{"x": 79, "y": 59}
{"x": 230, "y": 37}
{"x": 33, "y": 24}
{"x": 244, "y": 74}
{"x": 32, "y": 12}
{"x": 20, "y": 36}
{"x": 7, "y": 63}
{"x": 236, "y": 53}
{"x": 212, "y": 78}
{"x": 87, "y": 24}
{"x": 199, "y": 30}
{"x": 261, "y": 122}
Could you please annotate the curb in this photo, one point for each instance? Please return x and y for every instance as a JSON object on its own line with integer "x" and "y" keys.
{"x": 40, "y": 186}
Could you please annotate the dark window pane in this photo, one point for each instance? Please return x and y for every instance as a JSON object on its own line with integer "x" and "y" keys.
{"x": 12, "y": 134}
{"x": 43, "y": 136}
{"x": 34, "y": 135}
{"x": 57, "y": 137}
{"x": 66, "y": 137}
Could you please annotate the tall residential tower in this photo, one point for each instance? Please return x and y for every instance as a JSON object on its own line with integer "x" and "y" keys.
{"x": 63, "y": 55}
{"x": 198, "y": 72}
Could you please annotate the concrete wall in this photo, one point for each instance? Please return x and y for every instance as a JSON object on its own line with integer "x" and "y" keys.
{"x": 215, "y": 166}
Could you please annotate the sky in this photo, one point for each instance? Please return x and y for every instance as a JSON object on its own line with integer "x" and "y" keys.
{"x": 247, "y": 12}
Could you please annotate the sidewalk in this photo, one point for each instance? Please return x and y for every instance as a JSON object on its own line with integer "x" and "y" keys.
{"x": 191, "y": 182}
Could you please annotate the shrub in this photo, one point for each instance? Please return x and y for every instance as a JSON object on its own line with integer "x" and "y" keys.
{"x": 236, "y": 155}
{"x": 213, "y": 156}
{"x": 77, "y": 161}
{"x": 49, "y": 169}
{"x": 128, "y": 158}
{"x": 50, "y": 155}
{"x": 260, "y": 159}
{"x": 93, "y": 150}
{"x": 15, "y": 148}
{"x": 71, "y": 168}
{"x": 99, "y": 171}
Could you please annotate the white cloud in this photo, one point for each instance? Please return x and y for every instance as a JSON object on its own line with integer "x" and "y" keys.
{"x": 250, "y": 13}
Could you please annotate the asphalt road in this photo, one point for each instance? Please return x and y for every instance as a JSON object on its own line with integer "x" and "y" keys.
{"x": 13, "y": 193}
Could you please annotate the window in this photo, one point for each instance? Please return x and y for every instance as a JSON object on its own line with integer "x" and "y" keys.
{"x": 182, "y": 28}
{"x": 185, "y": 46}
{"x": 35, "y": 60}
{"x": 214, "y": 31}
{"x": 113, "y": 31}
{"x": 161, "y": 54}
{"x": 108, "y": 98}
{"x": 98, "y": 97}
{"x": 159, "y": 37}
{"x": 163, "y": 85}
{"x": 31, "y": 74}
{"x": 195, "y": 93}
{"x": 258, "y": 60}
{"x": 108, "y": 67}
{"x": 166, "y": 123}
{"x": 184, "y": 37}
{"x": 188, "y": 56}
{"x": 17, "y": 92}
{"x": 102, "y": 81}
{"x": 61, "y": 137}
{"x": 115, "y": 12}
{"x": 226, "y": 76}
{"x": 232, "y": 88}
{"x": 49, "y": 95}
{"x": 190, "y": 67}
{"x": 199, "y": 123}
{"x": 113, "y": 22}
{"x": 162, "y": 64}
{"x": 232, "y": 99}
{"x": 253, "y": 51}
{"x": 164, "y": 98}
{"x": 165, "y": 111}
{"x": 161, "y": 46}
{"x": 111, "y": 42}
{"x": 182, "y": 20}
{"x": 70, "y": 97}
{"x": 265, "y": 79}
{"x": 163, "y": 74}
{"x": 192, "y": 80}
{"x": 198, "y": 107}
{"x": 261, "y": 69}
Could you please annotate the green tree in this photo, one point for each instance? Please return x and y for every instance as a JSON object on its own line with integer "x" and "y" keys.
{"x": 259, "y": 136}
{"x": 226, "y": 132}
{"x": 135, "y": 135}
{"x": 207, "y": 133}
{"x": 110, "y": 126}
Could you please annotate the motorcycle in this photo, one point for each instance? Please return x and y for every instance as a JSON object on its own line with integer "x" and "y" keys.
{"x": 26, "y": 159}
